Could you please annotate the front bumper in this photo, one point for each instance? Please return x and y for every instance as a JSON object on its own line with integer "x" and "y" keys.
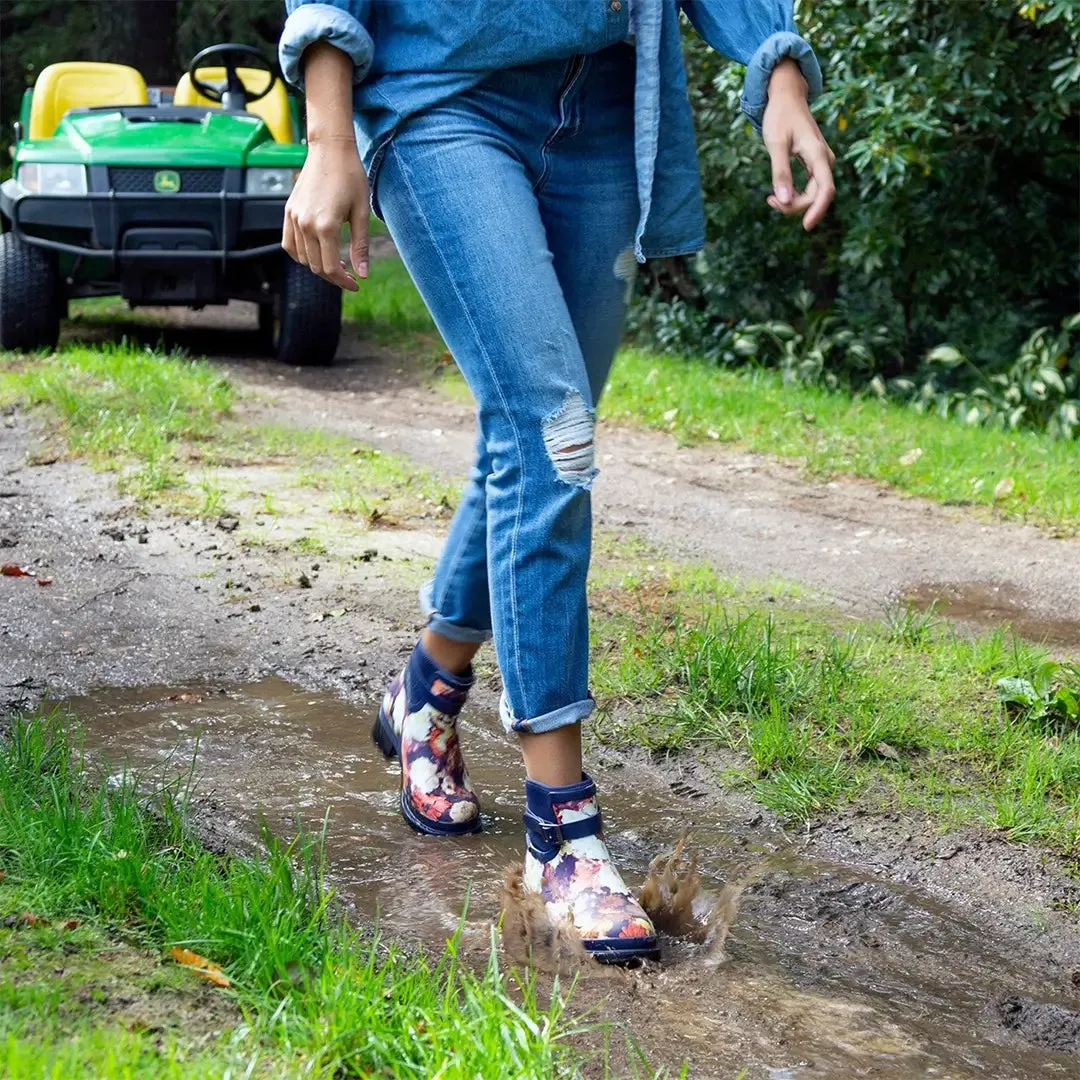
{"x": 130, "y": 227}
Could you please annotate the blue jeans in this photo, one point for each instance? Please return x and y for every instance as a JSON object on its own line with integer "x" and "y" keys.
{"x": 513, "y": 206}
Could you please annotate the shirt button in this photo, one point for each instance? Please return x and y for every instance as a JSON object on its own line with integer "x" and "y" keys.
{"x": 616, "y": 5}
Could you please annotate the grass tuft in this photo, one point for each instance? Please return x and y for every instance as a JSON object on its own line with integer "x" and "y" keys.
{"x": 896, "y": 712}
{"x": 120, "y": 405}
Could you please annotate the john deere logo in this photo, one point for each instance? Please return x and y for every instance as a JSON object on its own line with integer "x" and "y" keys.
{"x": 167, "y": 182}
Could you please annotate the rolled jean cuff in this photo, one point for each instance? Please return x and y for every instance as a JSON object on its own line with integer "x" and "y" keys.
{"x": 437, "y": 624}
{"x": 557, "y": 718}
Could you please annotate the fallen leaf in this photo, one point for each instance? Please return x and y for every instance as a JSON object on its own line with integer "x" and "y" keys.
{"x": 911, "y": 456}
{"x": 1004, "y": 487}
{"x": 337, "y": 612}
{"x": 44, "y": 580}
{"x": 71, "y": 924}
{"x": 10, "y": 569}
{"x": 200, "y": 965}
{"x": 886, "y": 751}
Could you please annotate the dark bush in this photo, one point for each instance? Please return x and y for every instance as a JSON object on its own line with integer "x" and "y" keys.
{"x": 957, "y": 220}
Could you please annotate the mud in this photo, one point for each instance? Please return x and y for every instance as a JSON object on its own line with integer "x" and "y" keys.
{"x": 678, "y": 906}
{"x": 988, "y": 606}
{"x": 869, "y": 946}
{"x": 831, "y": 971}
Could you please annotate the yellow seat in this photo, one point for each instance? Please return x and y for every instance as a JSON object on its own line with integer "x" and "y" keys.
{"x": 274, "y": 108}
{"x": 77, "y": 85}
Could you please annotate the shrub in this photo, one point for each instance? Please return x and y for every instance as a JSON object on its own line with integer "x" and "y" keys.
{"x": 956, "y": 221}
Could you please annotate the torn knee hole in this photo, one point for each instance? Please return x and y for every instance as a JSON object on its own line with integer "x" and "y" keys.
{"x": 568, "y": 437}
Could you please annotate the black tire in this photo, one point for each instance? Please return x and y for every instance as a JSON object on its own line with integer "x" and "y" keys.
{"x": 30, "y": 300}
{"x": 309, "y": 324}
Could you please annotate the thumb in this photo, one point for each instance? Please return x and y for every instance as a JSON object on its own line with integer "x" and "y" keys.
{"x": 358, "y": 238}
{"x": 783, "y": 185}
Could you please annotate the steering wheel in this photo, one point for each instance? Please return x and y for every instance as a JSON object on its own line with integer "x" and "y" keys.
{"x": 235, "y": 95}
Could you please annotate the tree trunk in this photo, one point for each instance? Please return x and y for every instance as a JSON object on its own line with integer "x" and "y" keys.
{"x": 141, "y": 33}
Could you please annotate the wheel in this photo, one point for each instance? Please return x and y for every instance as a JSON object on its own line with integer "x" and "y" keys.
{"x": 309, "y": 324}
{"x": 30, "y": 299}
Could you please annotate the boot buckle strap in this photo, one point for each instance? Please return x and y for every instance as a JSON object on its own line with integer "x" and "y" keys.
{"x": 552, "y": 834}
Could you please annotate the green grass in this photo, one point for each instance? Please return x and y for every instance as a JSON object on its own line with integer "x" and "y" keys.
{"x": 809, "y": 715}
{"x": 123, "y": 407}
{"x": 162, "y": 421}
{"x": 388, "y": 309}
{"x": 310, "y": 994}
{"x": 837, "y": 433}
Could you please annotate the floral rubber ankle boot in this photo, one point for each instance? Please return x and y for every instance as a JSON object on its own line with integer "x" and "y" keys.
{"x": 569, "y": 866}
{"x": 417, "y": 723}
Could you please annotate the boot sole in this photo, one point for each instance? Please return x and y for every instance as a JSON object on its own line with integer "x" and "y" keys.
{"x": 387, "y": 741}
{"x": 614, "y": 951}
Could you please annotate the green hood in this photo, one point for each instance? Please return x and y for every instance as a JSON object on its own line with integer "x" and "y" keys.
{"x": 109, "y": 138}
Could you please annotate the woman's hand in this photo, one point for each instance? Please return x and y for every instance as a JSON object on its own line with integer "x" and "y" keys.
{"x": 332, "y": 188}
{"x": 789, "y": 130}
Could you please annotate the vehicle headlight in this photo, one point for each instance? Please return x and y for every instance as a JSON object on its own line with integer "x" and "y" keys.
{"x": 53, "y": 179}
{"x": 269, "y": 181}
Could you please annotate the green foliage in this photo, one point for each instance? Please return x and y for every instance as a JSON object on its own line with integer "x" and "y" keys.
{"x": 956, "y": 218}
{"x": 1050, "y": 696}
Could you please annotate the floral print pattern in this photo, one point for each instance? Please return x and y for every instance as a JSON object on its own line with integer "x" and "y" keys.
{"x": 434, "y": 778}
{"x": 580, "y": 883}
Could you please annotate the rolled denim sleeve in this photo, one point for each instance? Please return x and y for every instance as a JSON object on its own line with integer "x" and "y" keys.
{"x": 340, "y": 23}
{"x": 759, "y": 34}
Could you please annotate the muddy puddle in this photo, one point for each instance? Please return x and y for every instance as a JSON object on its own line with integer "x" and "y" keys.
{"x": 826, "y": 972}
{"x": 988, "y": 605}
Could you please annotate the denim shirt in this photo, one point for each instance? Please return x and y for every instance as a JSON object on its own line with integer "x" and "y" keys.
{"x": 409, "y": 55}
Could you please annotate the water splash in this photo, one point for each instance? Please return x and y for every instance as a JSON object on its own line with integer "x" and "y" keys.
{"x": 675, "y": 901}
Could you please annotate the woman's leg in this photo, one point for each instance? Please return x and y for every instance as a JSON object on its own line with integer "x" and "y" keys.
{"x": 464, "y": 192}
{"x": 460, "y": 204}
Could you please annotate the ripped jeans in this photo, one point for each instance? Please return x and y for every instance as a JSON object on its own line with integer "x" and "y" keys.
{"x": 514, "y": 207}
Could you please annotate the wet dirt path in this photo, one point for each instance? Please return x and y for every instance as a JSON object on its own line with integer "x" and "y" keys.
{"x": 868, "y": 947}
{"x": 860, "y": 544}
{"x": 832, "y": 972}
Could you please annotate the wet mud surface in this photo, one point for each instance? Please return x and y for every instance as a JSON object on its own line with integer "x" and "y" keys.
{"x": 870, "y": 946}
{"x": 827, "y": 970}
{"x": 985, "y": 605}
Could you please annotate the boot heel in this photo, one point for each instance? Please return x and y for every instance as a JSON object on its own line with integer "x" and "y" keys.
{"x": 383, "y": 736}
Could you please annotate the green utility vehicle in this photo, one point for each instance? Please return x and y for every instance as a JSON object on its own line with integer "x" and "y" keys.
{"x": 165, "y": 204}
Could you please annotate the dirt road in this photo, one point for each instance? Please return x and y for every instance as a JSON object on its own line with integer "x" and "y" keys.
{"x": 868, "y": 947}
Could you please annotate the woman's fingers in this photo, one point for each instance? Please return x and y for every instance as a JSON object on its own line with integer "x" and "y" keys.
{"x": 821, "y": 184}
{"x": 288, "y": 242}
{"x": 783, "y": 185}
{"x": 328, "y": 238}
{"x": 358, "y": 237}
{"x": 813, "y": 203}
